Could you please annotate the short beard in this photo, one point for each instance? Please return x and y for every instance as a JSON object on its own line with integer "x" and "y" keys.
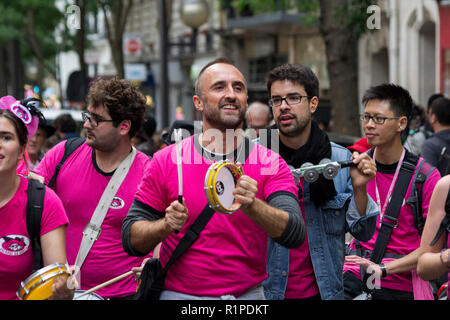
{"x": 106, "y": 146}
{"x": 218, "y": 122}
{"x": 293, "y": 131}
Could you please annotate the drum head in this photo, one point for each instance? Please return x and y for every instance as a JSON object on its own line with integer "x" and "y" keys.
{"x": 224, "y": 184}
{"x": 220, "y": 181}
{"x": 89, "y": 296}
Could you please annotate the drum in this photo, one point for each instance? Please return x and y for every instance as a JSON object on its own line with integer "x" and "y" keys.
{"x": 88, "y": 296}
{"x": 38, "y": 286}
{"x": 220, "y": 181}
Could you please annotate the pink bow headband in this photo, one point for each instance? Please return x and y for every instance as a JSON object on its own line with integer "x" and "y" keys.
{"x": 28, "y": 116}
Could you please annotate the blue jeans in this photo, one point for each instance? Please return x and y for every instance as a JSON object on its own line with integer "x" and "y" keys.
{"x": 255, "y": 293}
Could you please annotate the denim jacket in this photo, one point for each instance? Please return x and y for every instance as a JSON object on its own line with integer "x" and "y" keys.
{"x": 326, "y": 228}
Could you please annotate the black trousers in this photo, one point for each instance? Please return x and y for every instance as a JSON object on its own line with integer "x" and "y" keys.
{"x": 354, "y": 287}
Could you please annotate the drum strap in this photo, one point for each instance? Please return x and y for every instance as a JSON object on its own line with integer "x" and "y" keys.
{"x": 93, "y": 229}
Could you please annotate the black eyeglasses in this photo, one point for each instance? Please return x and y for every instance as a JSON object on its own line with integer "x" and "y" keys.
{"x": 376, "y": 119}
{"x": 93, "y": 121}
{"x": 290, "y": 100}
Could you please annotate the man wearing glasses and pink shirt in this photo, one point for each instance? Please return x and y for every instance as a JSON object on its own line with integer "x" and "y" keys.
{"x": 387, "y": 110}
{"x": 115, "y": 114}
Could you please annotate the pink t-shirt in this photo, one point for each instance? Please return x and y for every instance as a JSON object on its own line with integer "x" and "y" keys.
{"x": 80, "y": 186}
{"x": 230, "y": 255}
{"x": 405, "y": 238}
{"x": 16, "y": 253}
{"x": 301, "y": 280}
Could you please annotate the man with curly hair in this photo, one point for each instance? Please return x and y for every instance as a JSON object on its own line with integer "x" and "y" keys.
{"x": 114, "y": 114}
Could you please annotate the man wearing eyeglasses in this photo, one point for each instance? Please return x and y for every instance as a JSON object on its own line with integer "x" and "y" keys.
{"x": 330, "y": 207}
{"x": 114, "y": 115}
{"x": 387, "y": 110}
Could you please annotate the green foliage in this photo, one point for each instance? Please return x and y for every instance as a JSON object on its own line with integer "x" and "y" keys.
{"x": 11, "y": 25}
{"x": 261, "y": 5}
{"x": 352, "y": 15}
{"x": 14, "y": 20}
{"x": 70, "y": 36}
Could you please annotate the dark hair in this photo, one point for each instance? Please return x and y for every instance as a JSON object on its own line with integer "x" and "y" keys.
{"x": 296, "y": 73}
{"x": 65, "y": 123}
{"x": 122, "y": 100}
{"x": 441, "y": 108}
{"x": 400, "y": 101}
{"x": 149, "y": 125}
{"x": 19, "y": 126}
{"x": 216, "y": 61}
{"x": 433, "y": 97}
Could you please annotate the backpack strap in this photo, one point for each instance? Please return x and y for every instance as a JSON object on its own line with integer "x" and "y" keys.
{"x": 71, "y": 145}
{"x": 443, "y": 163}
{"x": 390, "y": 218}
{"x": 35, "y": 206}
{"x": 423, "y": 172}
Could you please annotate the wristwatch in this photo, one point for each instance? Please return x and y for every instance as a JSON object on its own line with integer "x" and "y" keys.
{"x": 383, "y": 270}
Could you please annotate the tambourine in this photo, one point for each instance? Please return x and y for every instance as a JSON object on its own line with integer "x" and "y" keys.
{"x": 38, "y": 286}
{"x": 220, "y": 181}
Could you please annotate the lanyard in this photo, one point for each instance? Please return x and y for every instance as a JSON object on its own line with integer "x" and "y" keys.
{"x": 391, "y": 188}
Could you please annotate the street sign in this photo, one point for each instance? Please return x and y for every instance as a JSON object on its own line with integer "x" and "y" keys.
{"x": 132, "y": 44}
{"x": 136, "y": 71}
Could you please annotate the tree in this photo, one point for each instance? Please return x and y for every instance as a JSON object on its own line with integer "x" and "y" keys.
{"x": 11, "y": 67}
{"x": 116, "y": 13}
{"x": 341, "y": 23}
{"x": 27, "y": 30}
{"x": 78, "y": 40}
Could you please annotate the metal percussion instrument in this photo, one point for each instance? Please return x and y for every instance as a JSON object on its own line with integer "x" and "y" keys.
{"x": 38, "y": 286}
{"x": 329, "y": 169}
{"x": 220, "y": 181}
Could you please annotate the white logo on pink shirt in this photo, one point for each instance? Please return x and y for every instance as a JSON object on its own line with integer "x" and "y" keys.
{"x": 14, "y": 244}
{"x": 117, "y": 203}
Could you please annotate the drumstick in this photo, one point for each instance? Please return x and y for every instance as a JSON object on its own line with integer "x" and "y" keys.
{"x": 105, "y": 284}
{"x": 178, "y": 136}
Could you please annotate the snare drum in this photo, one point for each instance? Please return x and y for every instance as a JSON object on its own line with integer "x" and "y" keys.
{"x": 38, "y": 286}
{"x": 220, "y": 181}
{"x": 88, "y": 296}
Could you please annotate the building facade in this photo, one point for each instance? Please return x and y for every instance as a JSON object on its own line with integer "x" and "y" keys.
{"x": 405, "y": 50}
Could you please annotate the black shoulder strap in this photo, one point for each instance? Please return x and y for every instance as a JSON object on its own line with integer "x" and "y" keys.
{"x": 190, "y": 237}
{"x": 35, "y": 206}
{"x": 443, "y": 163}
{"x": 424, "y": 170}
{"x": 390, "y": 218}
{"x": 71, "y": 145}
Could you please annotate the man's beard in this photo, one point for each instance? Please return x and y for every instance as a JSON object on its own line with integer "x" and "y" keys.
{"x": 105, "y": 145}
{"x": 218, "y": 121}
{"x": 295, "y": 129}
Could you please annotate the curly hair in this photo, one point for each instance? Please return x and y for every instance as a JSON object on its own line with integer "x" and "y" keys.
{"x": 122, "y": 100}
